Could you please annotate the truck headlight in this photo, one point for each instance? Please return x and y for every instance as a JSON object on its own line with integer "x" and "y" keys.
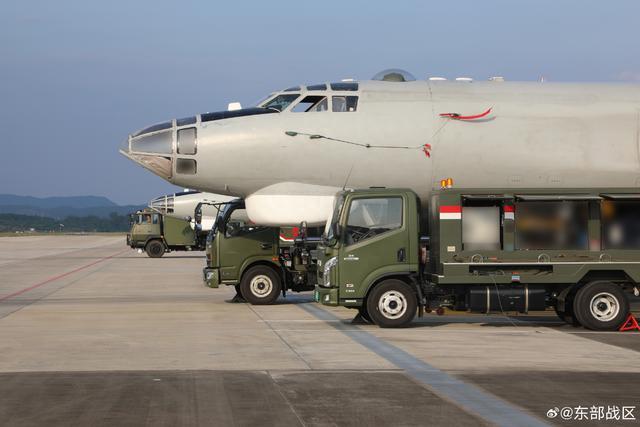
{"x": 326, "y": 272}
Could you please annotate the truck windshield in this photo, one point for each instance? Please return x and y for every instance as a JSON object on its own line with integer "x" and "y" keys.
{"x": 330, "y": 227}
{"x": 220, "y": 218}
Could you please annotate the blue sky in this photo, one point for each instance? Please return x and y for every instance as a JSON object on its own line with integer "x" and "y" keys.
{"x": 77, "y": 76}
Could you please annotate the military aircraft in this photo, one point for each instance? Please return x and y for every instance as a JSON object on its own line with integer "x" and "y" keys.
{"x": 289, "y": 154}
{"x": 182, "y": 205}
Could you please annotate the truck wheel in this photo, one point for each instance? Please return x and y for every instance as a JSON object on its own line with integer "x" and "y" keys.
{"x": 364, "y": 313}
{"x": 260, "y": 285}
{"x": 601, "y": 306}
{"x": 568, "y": 315}
{"x": 392, "y": 304}
{"x": 155, "y": 249}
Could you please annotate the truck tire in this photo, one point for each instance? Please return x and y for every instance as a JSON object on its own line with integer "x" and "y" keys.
{"x": 260, "y": 285}
{"x": 392, "y": 304}
{"x": 154, "y": 248}
{"x": 601, "y": 306}
{"x": 364, "y": 313}
{"x": 568, "y": 315}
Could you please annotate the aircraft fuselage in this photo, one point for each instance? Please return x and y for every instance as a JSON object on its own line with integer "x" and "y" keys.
{"x": 406, "y": 134}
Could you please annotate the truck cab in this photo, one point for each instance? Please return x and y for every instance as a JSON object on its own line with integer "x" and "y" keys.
{"x": 157, "y": 234}
{"x": 574, "y": 250}
{"x": 261, "y": 262}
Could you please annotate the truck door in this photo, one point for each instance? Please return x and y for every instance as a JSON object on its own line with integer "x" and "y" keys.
{"x": 147, "y": 224}
{"x": 240, "y": 240}
{"x": 374, "y": 238}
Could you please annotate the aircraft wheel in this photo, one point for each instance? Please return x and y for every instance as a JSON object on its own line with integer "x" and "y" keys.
{"x": 392, "y": 304}
{"x": 155, "y": 249}
{"x": 601, "y": 306}
{"x": 260, "y": 285}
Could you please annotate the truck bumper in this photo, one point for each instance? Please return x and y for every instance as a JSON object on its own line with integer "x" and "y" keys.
{"x": 211, "y": 277}
{"x": 326, "y": 296}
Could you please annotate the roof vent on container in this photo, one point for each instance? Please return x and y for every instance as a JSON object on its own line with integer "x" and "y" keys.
{"x": 496, "y": 79}
{"x": 464, "y": 79}
{"x": 437, "y": 79}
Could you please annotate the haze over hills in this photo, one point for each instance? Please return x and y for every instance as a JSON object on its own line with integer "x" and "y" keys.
{"x": 61, "y": 207}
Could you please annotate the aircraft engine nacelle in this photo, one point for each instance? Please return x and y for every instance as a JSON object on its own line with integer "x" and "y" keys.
{"x": 290, "y": 203}
{"x": 183, "y": 205}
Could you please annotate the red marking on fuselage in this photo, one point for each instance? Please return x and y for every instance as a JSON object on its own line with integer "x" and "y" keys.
{"x": 458, "y": 116}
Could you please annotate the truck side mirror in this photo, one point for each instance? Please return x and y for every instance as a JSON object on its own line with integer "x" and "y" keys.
{"x": 230, "y": 229}
{"x": 336, "y": 231}
{"x": 198, "y": 215}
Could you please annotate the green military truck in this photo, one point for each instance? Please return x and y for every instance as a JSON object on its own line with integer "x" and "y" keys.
{"x": 156, "y": 234}
{"x": 261, "y": 262}
{"x": 576, "y": 251}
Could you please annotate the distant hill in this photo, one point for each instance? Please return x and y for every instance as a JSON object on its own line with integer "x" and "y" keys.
{"x": 61, "y": 207}
{"x": 28, "y": 223}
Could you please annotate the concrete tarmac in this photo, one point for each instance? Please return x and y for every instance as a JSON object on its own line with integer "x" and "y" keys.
{"x": 93, "y": 333}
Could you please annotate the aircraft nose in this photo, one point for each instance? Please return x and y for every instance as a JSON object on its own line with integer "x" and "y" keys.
{"x": 151, "y": 148}
{"x": 158, "y": 147}
{"x": 124, "y": 147}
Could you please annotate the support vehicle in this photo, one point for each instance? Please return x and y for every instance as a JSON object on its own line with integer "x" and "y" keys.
{"x": 573, "y": 250}
{"x": 261, "y": 262}
{"x": 157, "y": 233}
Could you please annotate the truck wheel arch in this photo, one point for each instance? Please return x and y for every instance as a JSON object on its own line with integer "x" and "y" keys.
{"x": 146, "y": 242}
{"x": 404, "y": 277}
{"x": 608, "y": 275}
{"x": 273, "y": 266}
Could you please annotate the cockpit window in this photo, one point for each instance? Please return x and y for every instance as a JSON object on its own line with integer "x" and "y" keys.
{"x": 281, "y": 102}
{"x": 292, "y": 89}
{"x": 160, "y": 142}
{"x": 344, "y": 103}
{"x": 350, "y": 86}
{"x": 312, "y": 103}
{"x": 317, "y": 87}
{"x": 153, "y": 128}
{"x": 219, "y": 115}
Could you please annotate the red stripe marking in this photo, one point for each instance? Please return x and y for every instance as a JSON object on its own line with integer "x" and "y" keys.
{"x": 509, "y": 208}
{"x": 458, "y": 116}
{"x": 60, "y": 276}
{"x": 450, "y": 209}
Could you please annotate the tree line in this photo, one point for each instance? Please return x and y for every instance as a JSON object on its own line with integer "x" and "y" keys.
{"x": 15, "y": 222}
